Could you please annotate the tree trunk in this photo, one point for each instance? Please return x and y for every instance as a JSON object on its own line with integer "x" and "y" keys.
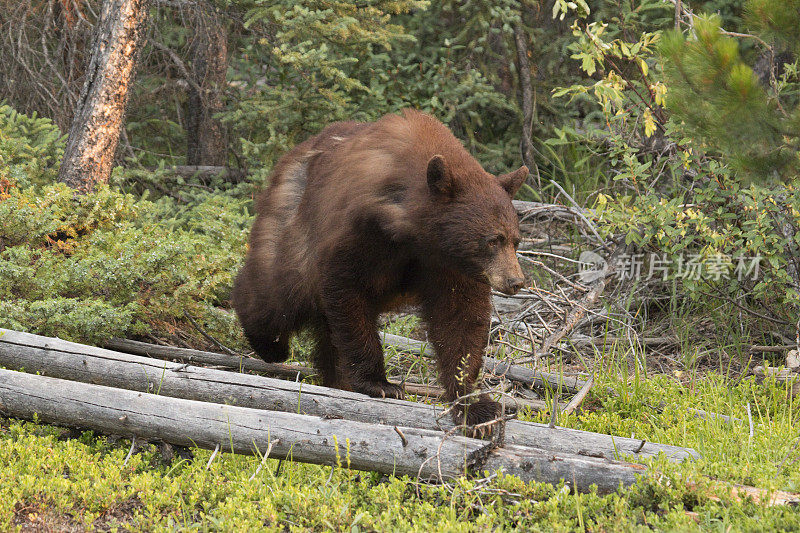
{"x": 526, "y": 92}
{"x": 206, "y": 137}
{"x": 94, "y": 135}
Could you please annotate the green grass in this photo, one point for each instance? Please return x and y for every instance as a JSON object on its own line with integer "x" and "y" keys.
{"x": 83, "y": 483}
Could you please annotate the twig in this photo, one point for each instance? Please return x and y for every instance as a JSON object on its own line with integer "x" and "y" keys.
{"x": 551, "y": 271}
{"x": 208, "y": 336}
{"x": 263, "y": 459}
{"x": 403, "y": 438}
{"x": 745, "y": 309}
{"x": 578, "y": 398}
{"x": 130, "y": 452}
{"x": 581, "y": 215}
{"x": 211, "y": 459}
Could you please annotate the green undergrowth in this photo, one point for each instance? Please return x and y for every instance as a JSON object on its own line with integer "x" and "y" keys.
{"x": 109, "y": 263}
{"x": 84, "y": 483}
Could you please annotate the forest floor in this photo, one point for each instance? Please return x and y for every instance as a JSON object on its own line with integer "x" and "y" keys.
{"x": 55, "y": 479}
{"x": 52, "y": 479}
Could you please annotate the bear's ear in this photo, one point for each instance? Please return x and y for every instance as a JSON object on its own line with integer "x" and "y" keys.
{"x": 440, "y": 179}
{"x": 512, "y": 181}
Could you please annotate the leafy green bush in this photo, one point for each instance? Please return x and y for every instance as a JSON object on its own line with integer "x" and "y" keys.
{"x": 93, "y": 266}
{"x": 723, "y": 239}
{"x": 680, "y": 204}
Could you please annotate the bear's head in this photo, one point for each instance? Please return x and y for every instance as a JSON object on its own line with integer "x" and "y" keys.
{"x": 475, "y": 226}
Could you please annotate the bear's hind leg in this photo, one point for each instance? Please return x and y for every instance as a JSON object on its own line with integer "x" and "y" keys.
{"x": 354, "y": 333}
{"x": 260, "y": 314}
{"x": 326, "y": 357}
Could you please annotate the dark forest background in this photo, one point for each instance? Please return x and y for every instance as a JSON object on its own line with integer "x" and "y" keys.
{"x": 676, "y": 122}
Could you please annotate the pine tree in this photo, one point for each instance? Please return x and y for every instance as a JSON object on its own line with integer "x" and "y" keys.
{"x": 301, "y": 63}
{"x": 720, "y": 101}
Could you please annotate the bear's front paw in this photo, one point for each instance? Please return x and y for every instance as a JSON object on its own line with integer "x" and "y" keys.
{"x": 380, "y": 389}
{"x": 484, "y": 411}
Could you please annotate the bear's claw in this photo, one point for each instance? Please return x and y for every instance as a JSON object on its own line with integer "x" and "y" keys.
{"x": 381, "y": 389}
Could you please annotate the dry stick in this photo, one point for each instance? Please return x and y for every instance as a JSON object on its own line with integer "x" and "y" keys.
{"x": 756, "y": 348}
{"x": 574, "y": 316}
{"x": 373, "y": 447}
{"x": 130, "y": 452}
{"x": 208, "y": 336}
{"x": 263, "y": 459}
{"x": 578, "y": 210}
{"x": 576, "y": 400}
{"x": 524, "y": 208}
{"x": 69, "y": 360}
{"x": 213, "y": 455}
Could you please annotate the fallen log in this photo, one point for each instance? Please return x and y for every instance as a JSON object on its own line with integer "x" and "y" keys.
{"x": 427, "y": 454}
{"x": 291, "y": 371}
{"x": 69, "y": 360}
{"x": 498, "y": 367}
{"x": 189, "y": 355}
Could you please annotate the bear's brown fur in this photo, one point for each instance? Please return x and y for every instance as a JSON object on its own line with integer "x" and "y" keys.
{"x": 363, "y": 218}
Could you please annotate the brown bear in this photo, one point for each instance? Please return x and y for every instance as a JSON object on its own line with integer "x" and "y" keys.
{"x": 364, "y": 218}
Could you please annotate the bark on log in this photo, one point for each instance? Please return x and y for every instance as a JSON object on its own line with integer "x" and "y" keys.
{"x": 188, "y": 355}
{"x": 68, "y": 360}
{"x": 427, "y": 454}
{"x": 94, "y": 134}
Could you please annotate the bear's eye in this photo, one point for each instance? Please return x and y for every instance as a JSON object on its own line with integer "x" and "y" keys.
{"x": 495, "y": 240}
{"x": 516, "y": 243}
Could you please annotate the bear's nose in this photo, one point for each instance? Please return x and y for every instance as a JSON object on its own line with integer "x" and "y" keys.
{"x": 514, "y": 285}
